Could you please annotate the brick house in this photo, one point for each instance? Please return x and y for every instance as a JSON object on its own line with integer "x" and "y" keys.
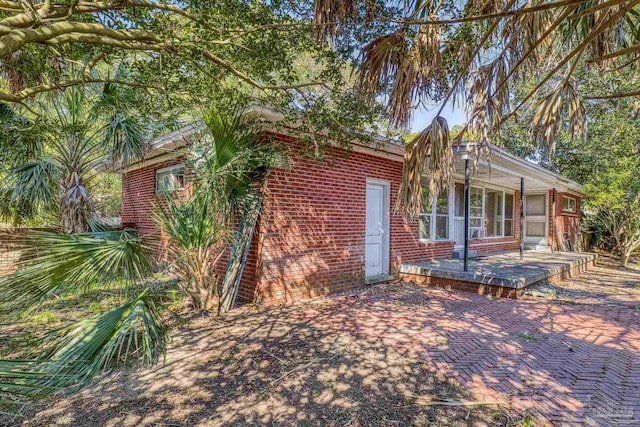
{"x": 329, "y": 225}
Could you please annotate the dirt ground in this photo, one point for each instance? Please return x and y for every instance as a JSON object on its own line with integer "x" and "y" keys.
{"x": 383, "y": 357}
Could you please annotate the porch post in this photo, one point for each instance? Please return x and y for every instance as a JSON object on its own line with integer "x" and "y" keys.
{"x": 521, "y": 219}
{"x": 466, "y": 214}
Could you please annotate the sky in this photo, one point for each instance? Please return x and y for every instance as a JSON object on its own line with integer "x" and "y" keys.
{"x": 423, "y": 116}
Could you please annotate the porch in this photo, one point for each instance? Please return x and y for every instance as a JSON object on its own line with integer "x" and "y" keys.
{"x": 502, "y": 274}
{"x": 501, "y": 205}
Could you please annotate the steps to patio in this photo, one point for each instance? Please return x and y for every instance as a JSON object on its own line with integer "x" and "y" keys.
{"x": 500, "y": 274}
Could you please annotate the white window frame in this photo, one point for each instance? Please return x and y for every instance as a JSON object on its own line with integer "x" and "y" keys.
{"x": 480, "y": 230}
{"x": 575, "y": 204}
{"x": 433, "y": 219}
{"x": 170, "y": 169}
{"x": 504, "y": 212}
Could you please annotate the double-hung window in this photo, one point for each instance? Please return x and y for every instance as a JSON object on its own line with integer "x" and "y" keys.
{"x": 568, "y": 204}
{"x": 170, "y": 179}
{"x": 476, "y": 207}
{"x": 434, "y": 218}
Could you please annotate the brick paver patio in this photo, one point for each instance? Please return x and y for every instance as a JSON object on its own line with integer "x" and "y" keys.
{"x": 372, "y": 358}
{"x": 570, "y": 364}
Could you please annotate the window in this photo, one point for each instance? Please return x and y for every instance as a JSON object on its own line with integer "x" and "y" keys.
{"x": 568, "y": 204}
{"x": 170, "y": 179}
{"x": 508, "y": 214}
{"x": 434, "y": 218}
{"x": 475, "y": 212}
{"x": 490, "y": 213}
{"x": 493, "y": 213}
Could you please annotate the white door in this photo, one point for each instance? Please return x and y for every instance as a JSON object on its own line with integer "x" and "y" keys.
{"x": 535, "y": 219}
{"x": 376, "y": 252}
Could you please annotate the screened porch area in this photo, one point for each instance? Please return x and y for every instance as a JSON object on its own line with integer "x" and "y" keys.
{"x": 505, "y": 217}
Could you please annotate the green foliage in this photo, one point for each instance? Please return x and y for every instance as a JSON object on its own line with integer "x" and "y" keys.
{"x": 614, "y": 205}
{"x": 71, "y": 265}
{"x": 607, "y": 162}
{"x": 78, "y": 352}
{"x": 21, "y": 382}
{"x": 107, "y": 195}
{"x": 84, "y": 349}
{"x": 198, "y": 236}
{"x": 78, "y": 131}
{"x": 55, "y": 261}
{"x": 231, "y": 158}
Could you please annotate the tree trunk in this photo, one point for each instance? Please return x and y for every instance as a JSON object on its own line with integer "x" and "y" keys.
{"x": 73, "y": 220}
{"x": 203, "y": 299}
{"x": 74, "y": 206}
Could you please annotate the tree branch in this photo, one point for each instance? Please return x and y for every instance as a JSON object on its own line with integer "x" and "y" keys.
{"x": 16, "y": 39}
{"x": 247, "y": 79}
{"x": 630, "y": 49}
{"x": 577, "y": 51}
{"x": 29, "y": 92}
{"x": 474, "y": 18}
{"x": 614, "y": 96}
{"x": 104, "y": 41}
{"x": 465, "y": 68}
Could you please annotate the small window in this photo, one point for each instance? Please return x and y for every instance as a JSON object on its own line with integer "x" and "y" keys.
{"x": 568, "y": 204}
{"x": 170, "y": 179}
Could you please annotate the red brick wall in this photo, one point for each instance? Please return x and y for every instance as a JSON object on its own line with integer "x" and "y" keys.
{"x": 566, "y": 233}
{"x": 11, "y": 243}
{"x": 140, "y": 201}
{"x": 312, "y": 236}
{"x": 10, "y": 256}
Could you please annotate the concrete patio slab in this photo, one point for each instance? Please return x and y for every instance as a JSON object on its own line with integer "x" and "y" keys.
{"x": 501, "y": 271}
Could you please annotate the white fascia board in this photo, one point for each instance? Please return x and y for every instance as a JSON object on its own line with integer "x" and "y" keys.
{"x": 173, "y": 154}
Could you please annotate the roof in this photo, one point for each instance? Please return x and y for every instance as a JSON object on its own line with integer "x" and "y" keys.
{"x": 500, "y": 164}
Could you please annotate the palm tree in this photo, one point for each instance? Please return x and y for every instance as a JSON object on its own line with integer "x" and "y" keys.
{"x": 229, "y": 163}
{"x": 78, "y": 132}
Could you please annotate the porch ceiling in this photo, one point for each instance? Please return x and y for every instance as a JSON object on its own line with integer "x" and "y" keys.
{"x": 503, "y": 173}
{"x": 493, "y": 173}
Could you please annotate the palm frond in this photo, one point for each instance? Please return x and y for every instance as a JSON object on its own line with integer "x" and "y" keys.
{"x": 35, "y": 183}
{"x": 233, "y": 157}
{"x": 380, "y": 60}
{"x": 21, "y": 383}
{"x": 548, "y": 116}
{"x": 85, "y": 349}
{"x": 551, "y": 111}
{"x": 428, "y": 156}
{"x": 72, "y": 261}
{"x": 328, "y": 13}
{"x": 127, "y": 137}
{"x": 198, "y": 236}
